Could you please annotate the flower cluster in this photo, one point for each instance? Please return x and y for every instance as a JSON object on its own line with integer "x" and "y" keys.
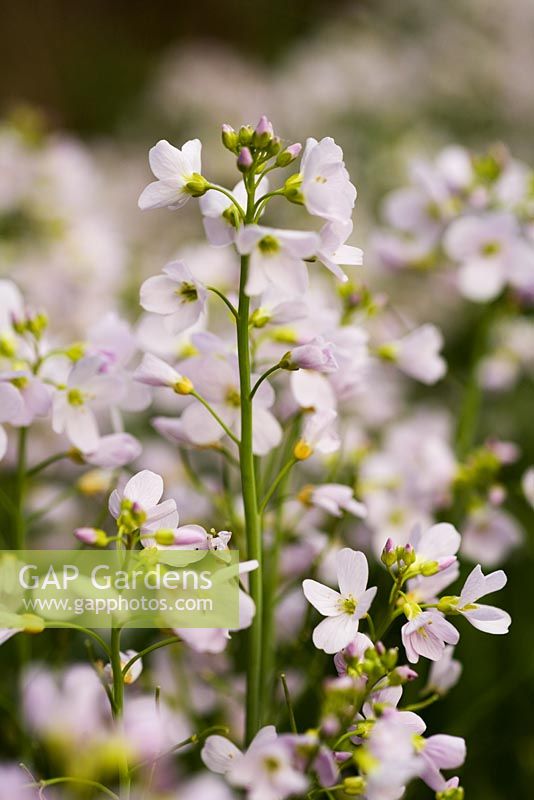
{"x": 271, "y": 406}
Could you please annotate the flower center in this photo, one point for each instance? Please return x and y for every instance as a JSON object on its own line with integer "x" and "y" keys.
{"x": 269, "y": 245}
{"x": 233, "y": 397}
{"x": 75, "y": 397}
{"x": 490, "y": 248}
{"x": 271, "y": 764}
{"x": 321, "y": 179}
{"x": 349, "y": 604}
{"x": 188, "y": 292}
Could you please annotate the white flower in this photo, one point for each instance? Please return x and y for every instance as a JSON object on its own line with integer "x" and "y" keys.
{"x": 153, "y": 371}
{"x": 445, "y": 673}
{"x": 485, "y": 618}
{"x": 174, "y": 168}
{"x": 333, "y": 251}
{"x": 318, "y": 434}
{"x": 138, "y": 506}
{"x": 276, "y": 257}
{"x": 418, "y": 354}
{"x": 489, "y": 535}
{"x": 326, "y": 186}
{"x": 176, "y": 295}
{"x": 73, "y": 405}
{"x": 344, "y": 609}
{"x": 491, "y": 254}
{"x": 334, "y": 498}
{"x": 318, "y": 355}
{"x": 133, "y": 673}
{"x": 265, "y": 769}
{"x": 427, "y": 634}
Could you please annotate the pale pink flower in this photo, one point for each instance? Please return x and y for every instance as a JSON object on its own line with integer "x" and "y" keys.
{"x": 173, "y": 168}
{"x": 445, "y": 673}
{"x": 317, "y": 354}
{"x": 489, "y": 535}
{"x": 114, "y": 450}
{"x": 334, "y": 253}
{"x": 344, "y": 609}
{"x": 426, "y": 635}
{"x": 176, "y": 295}
{"x": 485, "y": 618}
{"x": 335, "y": 498}
{"x": 141, "y": 496}
{"x": 437, "y": 753}
{"x": 276, "y": 257}
{"x": 418, "y": 354}
{"x": 326, "y": 186}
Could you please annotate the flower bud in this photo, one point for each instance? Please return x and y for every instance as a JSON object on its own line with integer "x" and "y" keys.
{"x": 448, "y": 604}
{"x": 317, "y": 355}
{"x": 244, "y": 160}
{"x": 32, "y": 624}
{"x": 401, "y": 675}
{"x": 388, "y": 556}
{"x": 429, "y": 568}
{"x": 164, "y": 537}
{"x": 7, "y": 347}
{"x": 288, "y": 155}
{"x": 246, "y": 132}
{"x": 264, "y": 133}
{"x": 409, "y": 555}
{"x": 292, "y": 189}
{"x": 183, "y": 386}
{"x": 259, "y": 318}
{"x": 197, "y": 185}
{"x": 454, "y": 793}
{"x": 230, "y": 138}
{"x": 354, "y": 785}
{"x": 75, "y": 351}
{"x": 95, "y": 537}
{"x": 302, "y": 450}
{"x": 387, "y": 352}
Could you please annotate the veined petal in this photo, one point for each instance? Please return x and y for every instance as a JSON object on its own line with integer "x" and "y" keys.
{"x": 335, "y": 633}
{"x": 144, "y": 488}
{"x": 323, "y": 598}
{"x": 163, "y": 194}
{"x": 219, "y": 754}
{"x": 352, "y": 572}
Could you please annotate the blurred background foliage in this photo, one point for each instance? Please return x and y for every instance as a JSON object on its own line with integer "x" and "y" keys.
{"x": 423, "y": 73}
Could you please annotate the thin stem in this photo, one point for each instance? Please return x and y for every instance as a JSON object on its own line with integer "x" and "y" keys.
{"x": 215, "y": 416}
{"x": 292, "y": 721}
{"x": 262, "y": 202}
{"x": 194, "y": 739}
{"x": 47, "y": 462}
{"x": 225, "y": 300}
{"x": 255, "y": 695}
{"x": 230, "y": 196}
{"x": 262, "y": 378}
{"x": 275, "y": 484}
{"x": 163, "y": 643}
{"x": 118, "y": 698}
{"x": 69, "y": 779}
{"x": 87, "y": 631}
{"x": 422, "y": 704}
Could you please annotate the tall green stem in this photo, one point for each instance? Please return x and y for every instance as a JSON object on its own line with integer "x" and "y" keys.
{"x": 250, "y": 500}
{"x": 118, "y": 700}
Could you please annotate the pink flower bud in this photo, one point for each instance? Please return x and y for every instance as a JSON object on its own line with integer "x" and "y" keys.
{"x": 244, "y": 159}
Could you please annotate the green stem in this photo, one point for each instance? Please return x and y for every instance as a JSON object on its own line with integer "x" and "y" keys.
{"x": 118, "y": 699}
{"x": 69, "y": 779}
{"x": 47, "y": 462}
{"x": 292, "y": 721}
{"x": 422, "y": 704}
{"x": 276, "y": 483}
{"x": 262, "y": 378}
{"x": 255, "y": 694}
{"x": 215, "y": 416}
{"x": 230, "y": 196}
{"x": 225, "y": 300}
{"x": 87, "y": 631}
{"x": 147, "y": 650}
{"x": 194, "y": 739}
